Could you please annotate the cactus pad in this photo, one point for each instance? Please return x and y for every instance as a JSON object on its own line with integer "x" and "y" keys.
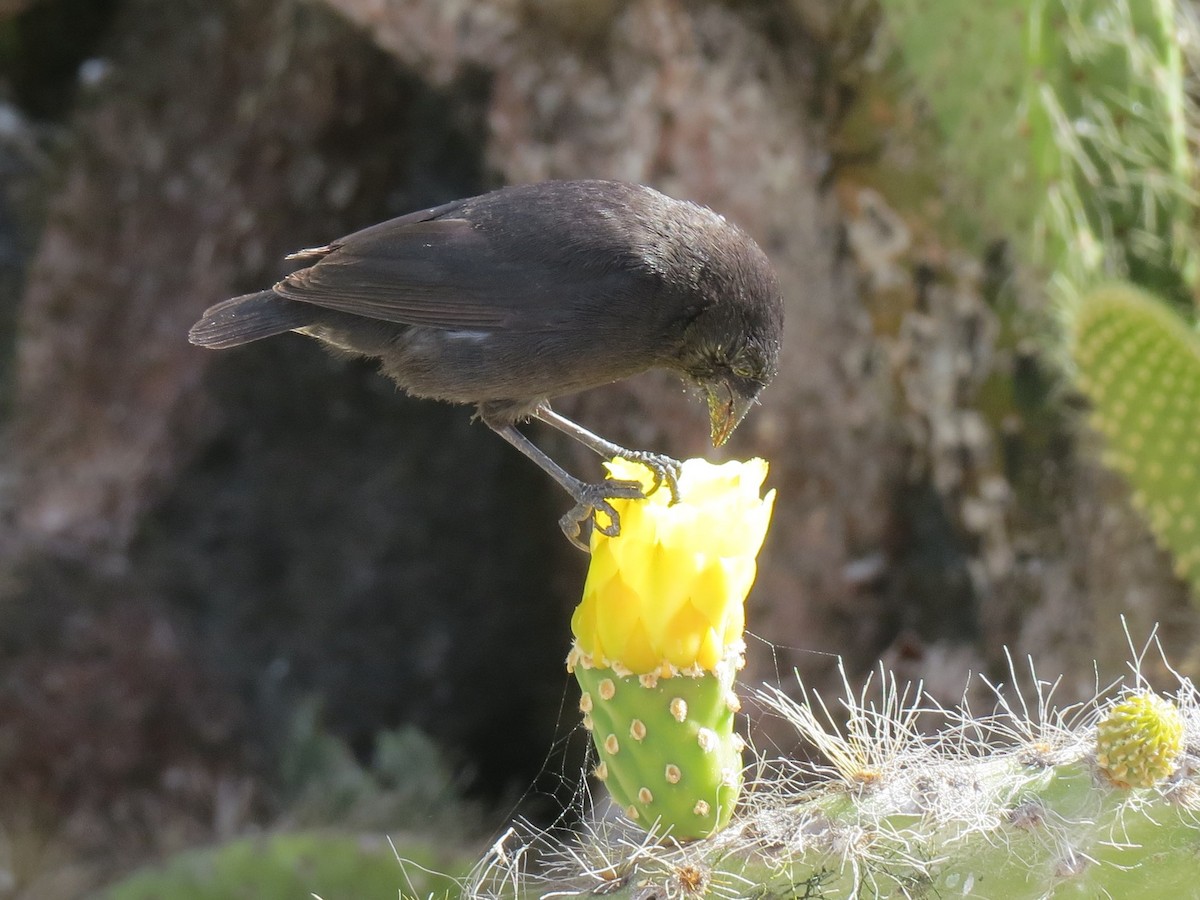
{"x": 668, "y": 752}
{"x": 1139, "y": 365}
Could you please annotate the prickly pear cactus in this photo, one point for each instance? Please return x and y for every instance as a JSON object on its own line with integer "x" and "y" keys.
{"x": 1066, "y": 122}
{"x": 658, "y": 641}
{"x": 1025, "y": 804}
{"x": 1138, "y": 363}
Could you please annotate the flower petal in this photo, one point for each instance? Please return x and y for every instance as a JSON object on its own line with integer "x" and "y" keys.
{"x": 668, "y": 592}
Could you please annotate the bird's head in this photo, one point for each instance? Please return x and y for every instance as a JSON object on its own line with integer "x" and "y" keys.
{"x": 731, "y": 348}
{"x": 728, "y": 310}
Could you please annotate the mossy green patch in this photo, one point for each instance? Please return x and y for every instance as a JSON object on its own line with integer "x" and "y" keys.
{"x": 291, "y": 866}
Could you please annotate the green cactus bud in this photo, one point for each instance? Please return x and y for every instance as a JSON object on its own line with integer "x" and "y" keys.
{"x": 1139, "y": 365}
{"x": 1139, "y": 740}
{"x": 668, "y": 752}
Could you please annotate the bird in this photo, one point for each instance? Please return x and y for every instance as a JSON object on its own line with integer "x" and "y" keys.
{"x": 517, "y": 296}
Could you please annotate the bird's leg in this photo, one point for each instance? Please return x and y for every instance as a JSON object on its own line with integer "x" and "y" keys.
{"x": 589, "y": 498}
{"x": 665, "y": 468}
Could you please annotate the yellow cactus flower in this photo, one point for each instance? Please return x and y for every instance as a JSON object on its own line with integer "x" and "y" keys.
{"x": 666, "y": 595}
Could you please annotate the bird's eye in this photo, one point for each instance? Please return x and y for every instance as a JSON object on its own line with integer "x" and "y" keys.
{"x": 742, "y": 370}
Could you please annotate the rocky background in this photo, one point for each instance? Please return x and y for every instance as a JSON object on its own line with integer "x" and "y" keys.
{"x": 198, "y": 550}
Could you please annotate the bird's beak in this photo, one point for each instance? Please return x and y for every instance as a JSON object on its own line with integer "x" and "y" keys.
{"x": 725, "y": 411}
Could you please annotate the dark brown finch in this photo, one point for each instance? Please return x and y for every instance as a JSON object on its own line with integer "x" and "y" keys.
{"x": 526, "y": 293}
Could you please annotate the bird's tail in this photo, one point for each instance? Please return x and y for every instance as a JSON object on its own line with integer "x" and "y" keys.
{"x": 248, "y": 318}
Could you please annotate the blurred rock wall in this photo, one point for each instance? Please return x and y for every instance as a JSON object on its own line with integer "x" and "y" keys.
{"x": 283, "y": 522}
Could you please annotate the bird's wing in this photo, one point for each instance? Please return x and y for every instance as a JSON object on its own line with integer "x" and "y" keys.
{"x": 449, "y": 273}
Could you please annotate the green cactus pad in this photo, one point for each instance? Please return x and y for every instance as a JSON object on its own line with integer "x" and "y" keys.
{"x": 668, "y": 752}
{"x": 1139, "y": 364}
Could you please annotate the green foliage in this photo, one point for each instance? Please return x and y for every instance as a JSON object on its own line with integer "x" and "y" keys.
{"x": 1065, "y": 122}
{"x": 408, "y": 788}
{"x": 1139, "y": 364}
{"x": 292, "y": 867}
{"x": 407, "y": 784}
{"x": 668, "y": 752}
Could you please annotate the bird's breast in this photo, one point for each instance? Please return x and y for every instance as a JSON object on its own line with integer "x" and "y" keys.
{"x": 471, "y": 366}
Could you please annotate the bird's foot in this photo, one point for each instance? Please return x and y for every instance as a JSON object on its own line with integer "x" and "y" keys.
{"x": 666, "y": 470}
{"x": 591, "y": 499}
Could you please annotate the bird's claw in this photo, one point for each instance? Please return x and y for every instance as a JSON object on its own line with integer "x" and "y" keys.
{"x": 592, "y": 499}
{"x": 666, "y": 470}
